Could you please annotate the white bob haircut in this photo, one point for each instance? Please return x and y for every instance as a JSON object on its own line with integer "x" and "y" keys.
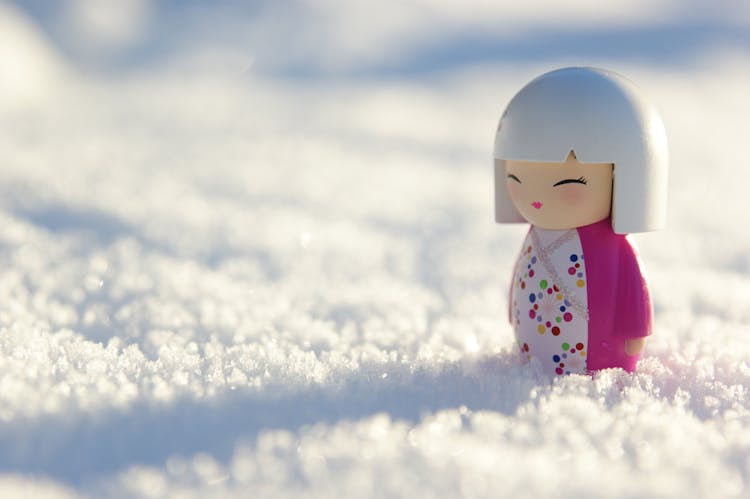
{"x": 603, "y": 118}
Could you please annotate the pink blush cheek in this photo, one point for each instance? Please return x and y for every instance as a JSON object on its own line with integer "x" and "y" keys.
{"x": 572, "y": 195}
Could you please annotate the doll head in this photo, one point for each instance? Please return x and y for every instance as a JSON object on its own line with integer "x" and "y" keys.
{"x": 577, "y": 145}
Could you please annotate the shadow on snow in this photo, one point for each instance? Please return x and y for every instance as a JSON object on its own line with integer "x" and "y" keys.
{"x": 76, "y": 447}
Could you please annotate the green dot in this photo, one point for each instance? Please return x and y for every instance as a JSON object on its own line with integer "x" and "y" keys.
{"x": 558, "y": 319}
{"x": 543, "y": 284}
{"x": 565, "y": 346}
{"x": 526, "y": 276}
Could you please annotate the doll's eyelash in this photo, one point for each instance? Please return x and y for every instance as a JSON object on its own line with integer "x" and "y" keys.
{"x": 510, "y": 175}
{"x": 579, "y": 180}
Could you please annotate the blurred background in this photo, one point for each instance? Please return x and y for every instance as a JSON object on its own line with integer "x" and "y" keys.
{"x": 338, "y": 39}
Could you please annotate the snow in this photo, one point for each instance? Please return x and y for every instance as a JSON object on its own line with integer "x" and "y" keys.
{"x": 221, "y": 279}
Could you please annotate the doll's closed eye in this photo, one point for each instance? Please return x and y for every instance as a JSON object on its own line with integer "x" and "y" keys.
{"x": 579, "y": 180}
{"x": 513, "y": 177}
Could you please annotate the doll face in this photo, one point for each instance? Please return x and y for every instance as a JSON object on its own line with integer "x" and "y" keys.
{"x": 560, "y": 195}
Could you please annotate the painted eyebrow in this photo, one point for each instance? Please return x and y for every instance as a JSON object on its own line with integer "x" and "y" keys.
{"x": 510, "y": 175}
{"x": 579, "y": 180}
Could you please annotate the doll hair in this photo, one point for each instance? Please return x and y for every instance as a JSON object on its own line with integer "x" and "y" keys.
{"x": 601, "y": 116}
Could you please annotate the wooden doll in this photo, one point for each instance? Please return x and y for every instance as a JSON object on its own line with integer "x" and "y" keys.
{"x": 581, "y": 157}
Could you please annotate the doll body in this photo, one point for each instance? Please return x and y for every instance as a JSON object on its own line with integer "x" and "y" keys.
{"x": 578, "y": 297}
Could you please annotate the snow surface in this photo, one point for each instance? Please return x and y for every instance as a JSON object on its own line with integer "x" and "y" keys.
{"x": 219, "y": 282}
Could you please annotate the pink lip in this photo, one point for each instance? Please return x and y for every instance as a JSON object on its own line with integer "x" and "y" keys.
{"x": 536, "y": 204}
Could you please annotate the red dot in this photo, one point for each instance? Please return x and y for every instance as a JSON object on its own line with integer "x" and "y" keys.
{"x": 579, "y": 346}
{"x": 572, "y": 350}
{"x": 578, "y": 265}
{"x": 531, "y": 273}
{"x": 536, "y": 306}
{"x": 559, "y": 371}
{"x": 562, "y": 364}
{"x": 523, "y": 285}
{"x": 532, "y": 314}
{"x": 555, "y": 330}
{"x": 525, "y": 347}
{"x": 567, "y": 317}
{"x": 556, "y": 288}
{"x": 549, "y": 291}
{"x": 571, "y": 270}
{"x": 548, "y": 324}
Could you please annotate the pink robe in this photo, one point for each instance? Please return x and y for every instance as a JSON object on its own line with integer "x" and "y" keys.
{"x": 619, "y": 302}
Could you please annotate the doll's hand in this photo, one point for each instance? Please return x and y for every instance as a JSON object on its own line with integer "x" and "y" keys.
{"x": 634, "y": 346}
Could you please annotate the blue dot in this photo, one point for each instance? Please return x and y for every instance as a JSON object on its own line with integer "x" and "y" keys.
{"x": 539, "y": 318}
{"x": 567, "y": 372}
{"x": 567, "y": 303}
{"x": 562, "y": 309}
{"x": 533, "y": 259}
{"x": 573, "y": 258}
{"x": 556, "y": 358}
{"x": 565, "y": 356}
{"x": 532, "y": 297}
{"x": 539, "y": 295}
{"x": 580, "y": 274}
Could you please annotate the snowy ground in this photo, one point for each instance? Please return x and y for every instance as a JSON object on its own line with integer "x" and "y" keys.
{"x": 280, "y": 276}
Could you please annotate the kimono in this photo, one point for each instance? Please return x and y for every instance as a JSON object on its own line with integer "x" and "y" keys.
{"x": 577, "y": 295}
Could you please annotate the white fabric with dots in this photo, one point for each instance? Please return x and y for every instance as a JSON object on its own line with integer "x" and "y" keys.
{"x": 549, "y": 304}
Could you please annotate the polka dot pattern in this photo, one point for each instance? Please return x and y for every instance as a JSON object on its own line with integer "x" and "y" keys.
{"x": 547, "y": 324}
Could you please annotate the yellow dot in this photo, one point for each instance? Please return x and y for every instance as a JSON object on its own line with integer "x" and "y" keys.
{"x": 583, "y": 354}
{"x": 559, "y": 296}
{"x": 580, "y": 283}
{"x": 541, "y": 329}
